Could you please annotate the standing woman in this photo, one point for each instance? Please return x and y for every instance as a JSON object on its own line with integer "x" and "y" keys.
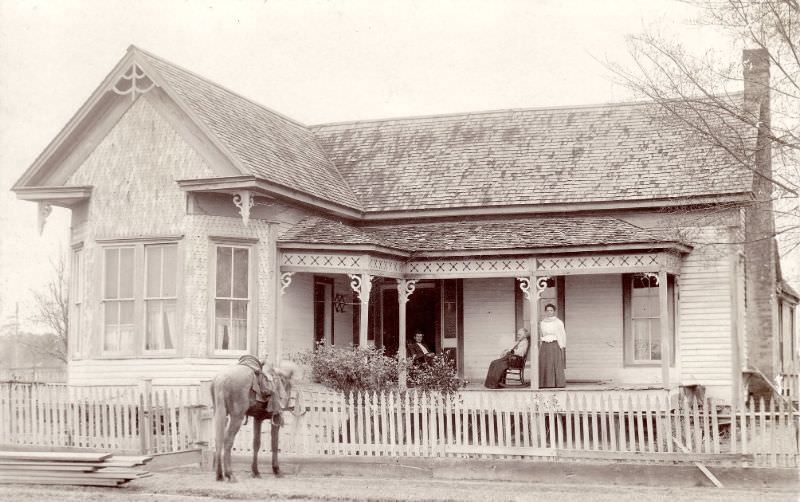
{"x": 553, "y": 350}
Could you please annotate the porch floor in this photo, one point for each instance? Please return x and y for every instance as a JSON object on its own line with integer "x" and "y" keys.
{"x": 599, "y": 385}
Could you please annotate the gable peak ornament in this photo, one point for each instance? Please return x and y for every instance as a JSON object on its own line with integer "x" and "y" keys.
{"x": 134, "y": 82}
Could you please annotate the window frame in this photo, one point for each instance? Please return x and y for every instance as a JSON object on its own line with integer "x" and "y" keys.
{"x": 76, "y": 292}
{"x": 139, "y": 284}
{"x": 252, "y": 300}
{"x": 104, "y": 301}
{"x": 627, "y": 321}
{"x": 162, "y": 299}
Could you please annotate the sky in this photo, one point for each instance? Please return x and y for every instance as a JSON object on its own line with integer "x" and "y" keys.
{"x": 315, "y": 61}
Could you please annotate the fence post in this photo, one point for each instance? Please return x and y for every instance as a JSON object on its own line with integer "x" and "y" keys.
{"x": 205, "y": 429}
{"x": 145, "y": 412}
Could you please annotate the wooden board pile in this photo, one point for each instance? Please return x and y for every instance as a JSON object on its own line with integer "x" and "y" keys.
{"x": 53, "y": 468}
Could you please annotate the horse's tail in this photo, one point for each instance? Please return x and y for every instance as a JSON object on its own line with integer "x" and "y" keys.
{"x": 220, "y": 419}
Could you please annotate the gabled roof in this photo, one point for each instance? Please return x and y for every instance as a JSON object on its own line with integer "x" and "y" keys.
{"x": 514, "y": 161}
{"x": 615, "y": 152}
{"x": 532, "y": 233}
{"x": 258, "y": 141}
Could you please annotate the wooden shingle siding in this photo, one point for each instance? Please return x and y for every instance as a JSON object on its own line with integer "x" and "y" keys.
{"x": 705, "y": 316}
{"x": 488, "y": 323}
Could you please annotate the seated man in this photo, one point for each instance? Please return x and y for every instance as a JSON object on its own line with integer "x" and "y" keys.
{"x": 510, "y": 357}
{"x": 419, "y": 352}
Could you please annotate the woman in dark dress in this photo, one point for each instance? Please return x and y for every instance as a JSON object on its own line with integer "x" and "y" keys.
{"x": 553, "y": 349}
{"x": 499, "y": 366}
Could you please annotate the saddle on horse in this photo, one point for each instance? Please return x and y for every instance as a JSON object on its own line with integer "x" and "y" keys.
{"x": 265, "y": 385}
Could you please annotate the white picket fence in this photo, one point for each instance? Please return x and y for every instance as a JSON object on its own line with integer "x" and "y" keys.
{"x": 121, "y": 419}
{"x": 578, "y": 426}
{"x": 594, "y": 425}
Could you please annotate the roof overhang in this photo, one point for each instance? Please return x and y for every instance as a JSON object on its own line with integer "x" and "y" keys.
{"x": 64, "y": 196}
{"x": 234, "y": 184}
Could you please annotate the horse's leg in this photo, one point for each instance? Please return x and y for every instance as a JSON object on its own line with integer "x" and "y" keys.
{"x": 235, "y": 422}
{"x": 275, "y": 433}
{"x": 256, "y": 446}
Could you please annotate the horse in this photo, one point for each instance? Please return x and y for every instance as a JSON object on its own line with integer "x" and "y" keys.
{"x": 244, "y": 390}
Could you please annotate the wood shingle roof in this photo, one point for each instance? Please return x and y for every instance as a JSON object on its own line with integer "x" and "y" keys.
{"x": 616, "y": 152}
{"x": 524, "y": 234}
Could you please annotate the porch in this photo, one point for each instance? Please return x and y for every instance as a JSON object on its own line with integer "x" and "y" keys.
{"x": 470, "y": 308}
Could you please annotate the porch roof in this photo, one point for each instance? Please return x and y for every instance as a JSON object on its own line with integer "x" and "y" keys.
{"x": 430, "y": 239}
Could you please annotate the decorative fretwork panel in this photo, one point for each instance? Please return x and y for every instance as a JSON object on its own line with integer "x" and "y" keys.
{"x": 323, "y": 261}
{"x": 599, "y": 262}
{"x": 502, "y": 266}
{"x": 386, "y": 266}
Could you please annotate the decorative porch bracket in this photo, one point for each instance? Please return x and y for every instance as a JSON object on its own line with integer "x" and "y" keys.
{"x": 45, "y": 208}
{"x": 286, "y": 280}
{"x": 244, "y": 200}
{"x": 532, "y": 294}
{"x": 362, "y": 285}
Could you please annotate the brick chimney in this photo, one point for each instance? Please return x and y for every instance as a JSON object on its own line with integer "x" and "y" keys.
{"x": 760, "y": 245}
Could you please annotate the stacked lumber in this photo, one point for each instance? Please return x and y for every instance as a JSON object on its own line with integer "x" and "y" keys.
{"x": 57, "y": 468}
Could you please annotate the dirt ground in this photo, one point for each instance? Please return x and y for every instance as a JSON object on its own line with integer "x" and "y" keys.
{"x": 191, "y": 485}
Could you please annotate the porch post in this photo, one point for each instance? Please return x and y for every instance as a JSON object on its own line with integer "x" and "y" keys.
{"x": 362, "y": 285}
{"x": 404, "y": 290}
{"x": 284, "y": 279}
{"x": 666, "y": 339}
{"x": 532, "y": 288}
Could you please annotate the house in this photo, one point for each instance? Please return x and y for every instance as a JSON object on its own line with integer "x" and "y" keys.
{"x": 206, "y": 226}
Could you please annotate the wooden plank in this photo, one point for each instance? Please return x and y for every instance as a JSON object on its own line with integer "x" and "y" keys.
{"x": 773, "y": 461}
{"x": 15, "y": 468}
{"x": 701, "y": 466}
{"x": 500, "y": 450}
{"x": 639, "y": 423}
{"x": 648, "y": 424}
{"x": 54, "y": 456}
{"x": 568, "y": 419}
{"x": 623, "y": 441}
{"x": 596, "y": 440}
{"x": 407, "y": 417}
{"x": 612, "y": 429}
{"x": 60, "y": 481}
{"x": 715, "y": 428}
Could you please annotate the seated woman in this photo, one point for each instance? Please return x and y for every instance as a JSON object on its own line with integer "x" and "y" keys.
{"x": 498, "y": 367}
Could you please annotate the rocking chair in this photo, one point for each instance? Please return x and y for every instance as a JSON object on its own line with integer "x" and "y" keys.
{"x": 516, "y": 370}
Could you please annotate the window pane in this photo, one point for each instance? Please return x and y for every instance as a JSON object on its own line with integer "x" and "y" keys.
{"x": 112, "y": 268}
{"x": 223, "y": 309}
{"x": 126, "y": 338}
{"x": 640, "y": 306}
{"x": 239, "y": 326}
{"x": 111, "y": 340}
{"x": 655, "y": 339}
{"x": 641, "y": 339}
{"x": 153, "y": 271}
{"x": 126, "y": 312}
{"x": 160, "y": 324}
{"x": 112, "y": 313}
{"x": 126, "y": 273}
{"x": 170, "y": 257}
{"x": 224, "y": 265}
{"x": 240, "y": 260}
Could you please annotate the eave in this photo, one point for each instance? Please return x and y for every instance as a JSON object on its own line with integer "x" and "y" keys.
{"x": 64, "y": 196}
{"x": 233, "y": 184}
{"x": 363, "y": 248}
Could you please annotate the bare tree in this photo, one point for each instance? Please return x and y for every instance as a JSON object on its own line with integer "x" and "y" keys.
{"x": 52, "y": 310}
{"x": 701, "y": 94}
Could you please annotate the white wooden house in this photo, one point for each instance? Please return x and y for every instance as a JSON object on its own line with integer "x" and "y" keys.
{"x": 206, "y": 226}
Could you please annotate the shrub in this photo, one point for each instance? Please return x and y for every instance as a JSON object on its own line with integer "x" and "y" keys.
{"x": 438, "y": 376}
{"x": 352, "y": 368}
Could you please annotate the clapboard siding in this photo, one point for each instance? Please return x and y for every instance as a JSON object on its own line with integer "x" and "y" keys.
{"x": 488, "y": 323}
{"x": 705, "y": 316}
{"x": 298, "y": 315}
{"x": 183, "y": 371}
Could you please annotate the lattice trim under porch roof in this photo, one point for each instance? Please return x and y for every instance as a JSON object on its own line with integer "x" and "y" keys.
{"x": 480, "y": 266}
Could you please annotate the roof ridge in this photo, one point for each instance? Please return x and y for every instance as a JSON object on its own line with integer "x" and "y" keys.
{"x": 501, "y": 111}
{"x": 217, "y": 85}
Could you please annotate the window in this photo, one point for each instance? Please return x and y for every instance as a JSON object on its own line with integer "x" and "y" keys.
{"x": 76, "y": 299}
{"x": 642, "y": 309}
{"x": 160, "y": 297}
{"x": 232, "y": 298}
{"x": 118, "y": 299}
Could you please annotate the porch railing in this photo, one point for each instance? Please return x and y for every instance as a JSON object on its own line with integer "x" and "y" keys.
{"x": 790, "y": 386}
